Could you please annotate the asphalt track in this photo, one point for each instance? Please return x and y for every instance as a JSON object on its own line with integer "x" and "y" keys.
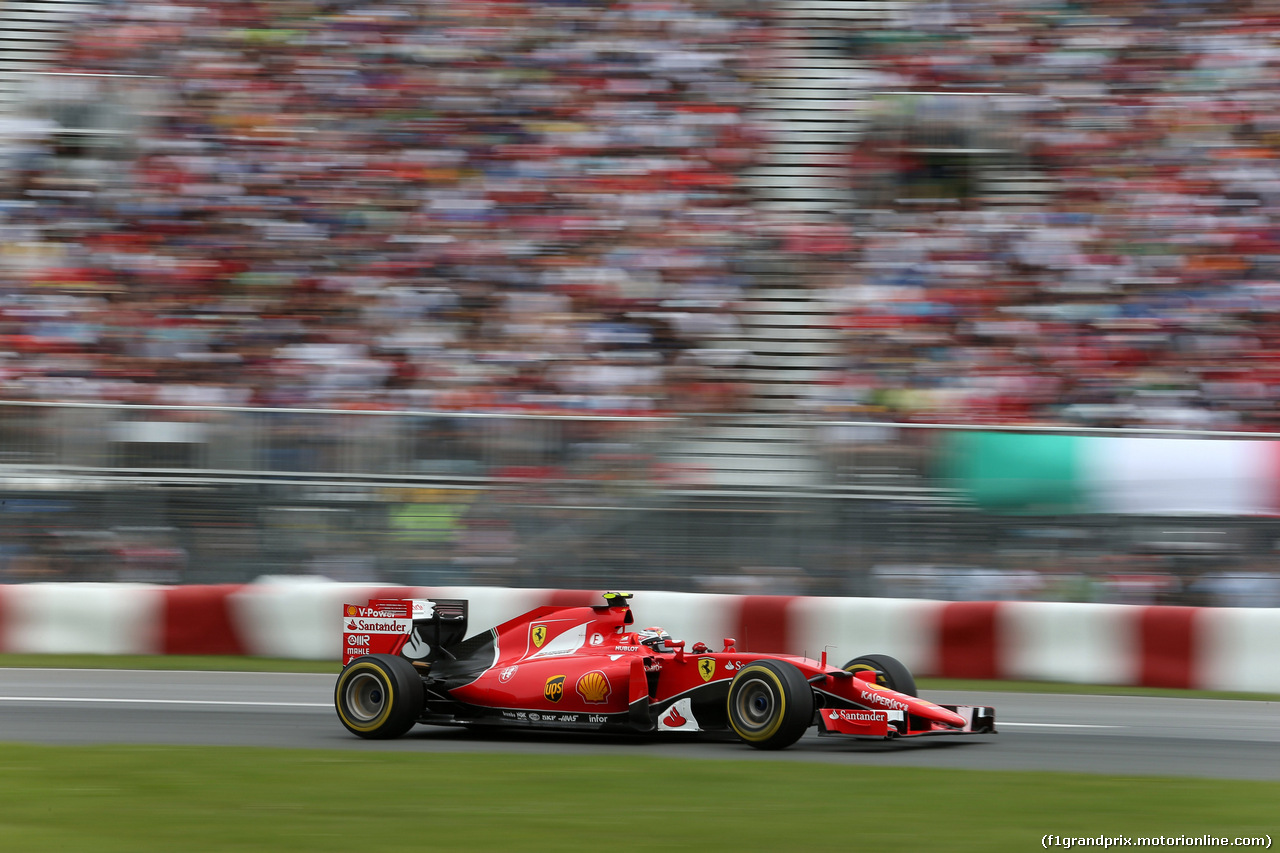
{"x": 1089, "y": 734}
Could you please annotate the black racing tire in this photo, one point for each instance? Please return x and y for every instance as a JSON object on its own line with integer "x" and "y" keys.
{"x": 890, "y": 672}
{"x": 770, "y": 704}
{"x": 379, "y": 696}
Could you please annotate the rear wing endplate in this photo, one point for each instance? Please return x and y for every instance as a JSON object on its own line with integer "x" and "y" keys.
{"x": 419, "y": 629}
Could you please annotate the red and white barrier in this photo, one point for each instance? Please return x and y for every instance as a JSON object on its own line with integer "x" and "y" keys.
{"x": 1057, "y": 641}
{"x": 1213, "y": 648}
{"x": 111, "y": 619}
{"x": 1238, "y": 648}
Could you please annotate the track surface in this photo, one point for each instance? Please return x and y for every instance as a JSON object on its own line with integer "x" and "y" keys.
{"x": 1091, "y": 734}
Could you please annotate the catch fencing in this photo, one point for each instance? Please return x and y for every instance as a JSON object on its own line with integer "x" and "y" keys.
{"x": 179, "y": 494}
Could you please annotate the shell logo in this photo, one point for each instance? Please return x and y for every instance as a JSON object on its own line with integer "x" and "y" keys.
{"x": 352, "y": 610}
{"x": 594, "y": 687}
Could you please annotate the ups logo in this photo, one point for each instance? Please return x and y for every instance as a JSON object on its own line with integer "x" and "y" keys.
{"x": 554, "y": 689}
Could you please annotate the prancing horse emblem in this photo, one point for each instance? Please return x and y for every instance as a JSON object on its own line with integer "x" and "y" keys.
{"x": 539, "y": 635}
{"x": 706, "y": 668}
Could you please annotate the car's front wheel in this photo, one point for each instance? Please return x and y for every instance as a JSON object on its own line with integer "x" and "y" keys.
{"x": 379, "y": 696}
{"x": 770, "y": 704}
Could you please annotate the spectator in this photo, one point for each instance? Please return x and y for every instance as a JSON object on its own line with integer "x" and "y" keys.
{"x": 481, "y": 205}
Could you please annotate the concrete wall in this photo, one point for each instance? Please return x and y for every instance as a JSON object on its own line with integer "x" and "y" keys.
{"x": 1214, "y": 648}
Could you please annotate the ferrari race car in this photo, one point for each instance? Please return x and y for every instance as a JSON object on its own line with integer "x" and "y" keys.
{"x": 408, "y": 661}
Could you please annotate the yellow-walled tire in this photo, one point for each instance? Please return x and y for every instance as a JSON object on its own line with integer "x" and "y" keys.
{"x": 770, "y": 704}
{"x": 890, "y": 672}
{"x": 378, "y": 696}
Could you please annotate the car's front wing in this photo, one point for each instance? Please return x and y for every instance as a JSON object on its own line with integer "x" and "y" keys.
{"x": 877, "y": 724}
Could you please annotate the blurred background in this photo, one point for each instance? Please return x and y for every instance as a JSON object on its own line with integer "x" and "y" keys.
{"x": 958, "y": 300}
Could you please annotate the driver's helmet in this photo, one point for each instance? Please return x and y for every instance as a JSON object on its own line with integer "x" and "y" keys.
{"x": 655, "y": 638}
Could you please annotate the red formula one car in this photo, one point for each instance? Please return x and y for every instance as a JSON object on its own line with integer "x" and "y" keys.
{"x": 588, "y": 669}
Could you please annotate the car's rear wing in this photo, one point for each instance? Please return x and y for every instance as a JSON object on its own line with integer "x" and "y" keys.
{"x": 419, "y": 629}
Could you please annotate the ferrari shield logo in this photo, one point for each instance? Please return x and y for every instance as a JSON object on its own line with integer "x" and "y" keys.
{"x": 706, "y": 668}
{"x": 539, "y": 635}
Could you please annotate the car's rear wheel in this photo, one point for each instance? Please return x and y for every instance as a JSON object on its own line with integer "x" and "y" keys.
{"x": 378, "y": 696}
{"x": 770, "y": 704}
{"x": 890, "y": 672}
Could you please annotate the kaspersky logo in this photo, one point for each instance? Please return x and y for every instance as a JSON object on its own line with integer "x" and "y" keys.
{"x": 539, "y": 635}
{"x": 706, "y": 668}
{"x": 873, "y": 698}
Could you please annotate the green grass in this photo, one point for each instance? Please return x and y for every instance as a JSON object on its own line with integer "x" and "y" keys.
{"x": 138, "y": 799}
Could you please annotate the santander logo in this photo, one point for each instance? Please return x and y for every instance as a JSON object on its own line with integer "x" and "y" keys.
{"x": 679, "y": 718}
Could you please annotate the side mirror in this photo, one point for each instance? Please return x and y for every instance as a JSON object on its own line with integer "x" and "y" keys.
{"x": 678, "y": 645}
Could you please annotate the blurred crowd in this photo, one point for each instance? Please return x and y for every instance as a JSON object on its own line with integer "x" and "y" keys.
{"x": 1139, "y": 287}
{"x": 518, "y": 205}
{"x": 506, "y": 204}
{"x": 461, "y": 204}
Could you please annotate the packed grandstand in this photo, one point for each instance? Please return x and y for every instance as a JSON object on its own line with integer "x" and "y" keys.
{"x": 488, "y": 205}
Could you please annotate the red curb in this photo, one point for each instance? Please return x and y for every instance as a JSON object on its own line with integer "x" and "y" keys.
{"x": 969, "y": 641}
{"x": 1168, "y": 641}
{"x": 764, "y": 624}
{"x": 198, "y": 621}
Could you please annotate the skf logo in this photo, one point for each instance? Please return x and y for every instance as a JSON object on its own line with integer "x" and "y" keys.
{"x": 539, "y": 635}
{"x": 706, "y": 668}
{"x": 554, "y": 689}
{"x": 594, "y": 687}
